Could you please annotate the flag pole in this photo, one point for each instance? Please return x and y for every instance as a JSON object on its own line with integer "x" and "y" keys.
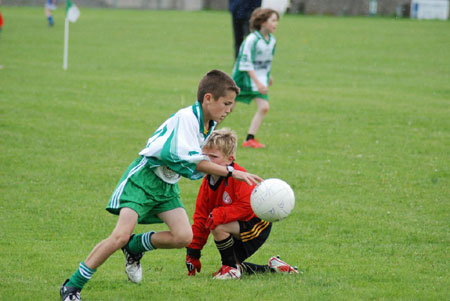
{"x": 66, "y": 43}
{"x": 72, "y": 14}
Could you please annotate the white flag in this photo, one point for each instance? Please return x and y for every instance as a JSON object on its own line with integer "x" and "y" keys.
{"x": 73, "y": 13}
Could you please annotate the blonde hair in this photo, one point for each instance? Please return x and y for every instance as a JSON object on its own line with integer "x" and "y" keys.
{"x": 224, "y": 140}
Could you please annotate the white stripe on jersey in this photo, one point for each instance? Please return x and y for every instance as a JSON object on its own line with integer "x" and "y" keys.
{"x": 177, "y": 144}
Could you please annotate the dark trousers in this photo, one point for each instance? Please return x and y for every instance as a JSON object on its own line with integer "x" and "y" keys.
{"x": 241, "y": 28}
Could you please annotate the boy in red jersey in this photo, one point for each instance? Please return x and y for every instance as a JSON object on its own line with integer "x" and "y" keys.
{"x": 223, "y": 209}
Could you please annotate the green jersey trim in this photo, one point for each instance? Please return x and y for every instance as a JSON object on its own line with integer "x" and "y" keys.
{"x": 198, "y": 112}
{"x": 175, "y": 147}
{"x": 259, "y": 35}
{"x": 172, "y": 160}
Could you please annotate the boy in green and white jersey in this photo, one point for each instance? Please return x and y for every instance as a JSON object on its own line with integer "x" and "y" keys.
{"x": 148, "y": 191}
{"x": 253, "y": 66}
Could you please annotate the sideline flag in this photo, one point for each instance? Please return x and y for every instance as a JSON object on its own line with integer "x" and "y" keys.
{"x": 72, "y": 15}
{"x": 72, "y": 11}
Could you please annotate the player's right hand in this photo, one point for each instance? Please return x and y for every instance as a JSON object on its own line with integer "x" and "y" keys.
{"x": 193, "y": 264}
{"x": 249, "y": 178}
{"x": 262, "y": 88}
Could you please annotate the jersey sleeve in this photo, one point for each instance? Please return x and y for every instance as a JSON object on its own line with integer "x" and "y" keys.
{"x": 274, "y": 47}
{"x": 240, "y": 209}
{"x": 201, "y": 213}
{"x": 247, "y": 56}
{"x": 182, "y": 151}
{"x": 176, "y": 145}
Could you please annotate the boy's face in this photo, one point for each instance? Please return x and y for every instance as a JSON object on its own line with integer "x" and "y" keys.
{"x": 218, "y": 109}
{"x": 217, "y": 156}
{"x": 271, "y": 24}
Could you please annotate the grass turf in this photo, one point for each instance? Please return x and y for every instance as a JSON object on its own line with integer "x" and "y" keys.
{"x": 359, "y": 126}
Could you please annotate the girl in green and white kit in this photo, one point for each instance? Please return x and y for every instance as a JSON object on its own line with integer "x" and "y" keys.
{"x": 253, "y": 66}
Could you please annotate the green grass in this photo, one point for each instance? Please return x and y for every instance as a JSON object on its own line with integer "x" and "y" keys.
{"x": 359, "y": 126}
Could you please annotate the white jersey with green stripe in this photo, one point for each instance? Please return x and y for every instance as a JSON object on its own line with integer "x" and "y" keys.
{"x": 256, "y": 53}
{"x": 175, "y": 148}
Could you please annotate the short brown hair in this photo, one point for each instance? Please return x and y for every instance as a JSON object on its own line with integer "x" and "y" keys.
{"x": 261, "y": 15}
{"x": 224, "y": 140}
{"x": 217, "y": 83}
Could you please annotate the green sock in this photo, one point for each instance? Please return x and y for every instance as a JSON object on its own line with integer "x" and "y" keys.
{"x": 81, "y": 276}
{"x": 140, "y": 243}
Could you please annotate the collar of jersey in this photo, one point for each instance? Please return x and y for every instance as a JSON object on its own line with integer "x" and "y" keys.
{"x": 217, "y": 184}
{"x": 259, "y": 35}
{"x": 197, "y": 110}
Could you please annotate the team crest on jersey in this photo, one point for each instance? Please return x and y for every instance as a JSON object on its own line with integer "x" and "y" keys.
{"x": 226, "y": 198}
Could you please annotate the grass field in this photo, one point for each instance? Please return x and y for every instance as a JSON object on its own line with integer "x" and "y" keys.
{"x": 359, "y": 126}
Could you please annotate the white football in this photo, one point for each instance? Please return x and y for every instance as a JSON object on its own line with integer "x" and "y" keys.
{"x": 272, "y": 200}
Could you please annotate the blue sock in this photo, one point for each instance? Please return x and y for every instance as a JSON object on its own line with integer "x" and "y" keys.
{"x": 50, "y": 20}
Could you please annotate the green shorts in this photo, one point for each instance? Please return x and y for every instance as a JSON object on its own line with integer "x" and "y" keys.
{"x": 144, "y": 192}
{"x": 248, "y": 96}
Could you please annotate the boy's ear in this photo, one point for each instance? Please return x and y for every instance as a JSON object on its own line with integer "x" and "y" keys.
{"x": 231, "y": 158}
{"x": 208, "y": 97}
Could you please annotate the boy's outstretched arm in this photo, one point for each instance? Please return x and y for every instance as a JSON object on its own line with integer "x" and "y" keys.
{"x": 219, "y": 170}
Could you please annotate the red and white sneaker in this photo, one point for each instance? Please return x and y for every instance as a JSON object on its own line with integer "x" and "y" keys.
{"x": 279, "y": 265}
{"x": 227, "y": 272}
{"x": 253, "y": 143}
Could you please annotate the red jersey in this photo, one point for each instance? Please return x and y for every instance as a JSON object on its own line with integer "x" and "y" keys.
{"x": 227, "y": 203}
